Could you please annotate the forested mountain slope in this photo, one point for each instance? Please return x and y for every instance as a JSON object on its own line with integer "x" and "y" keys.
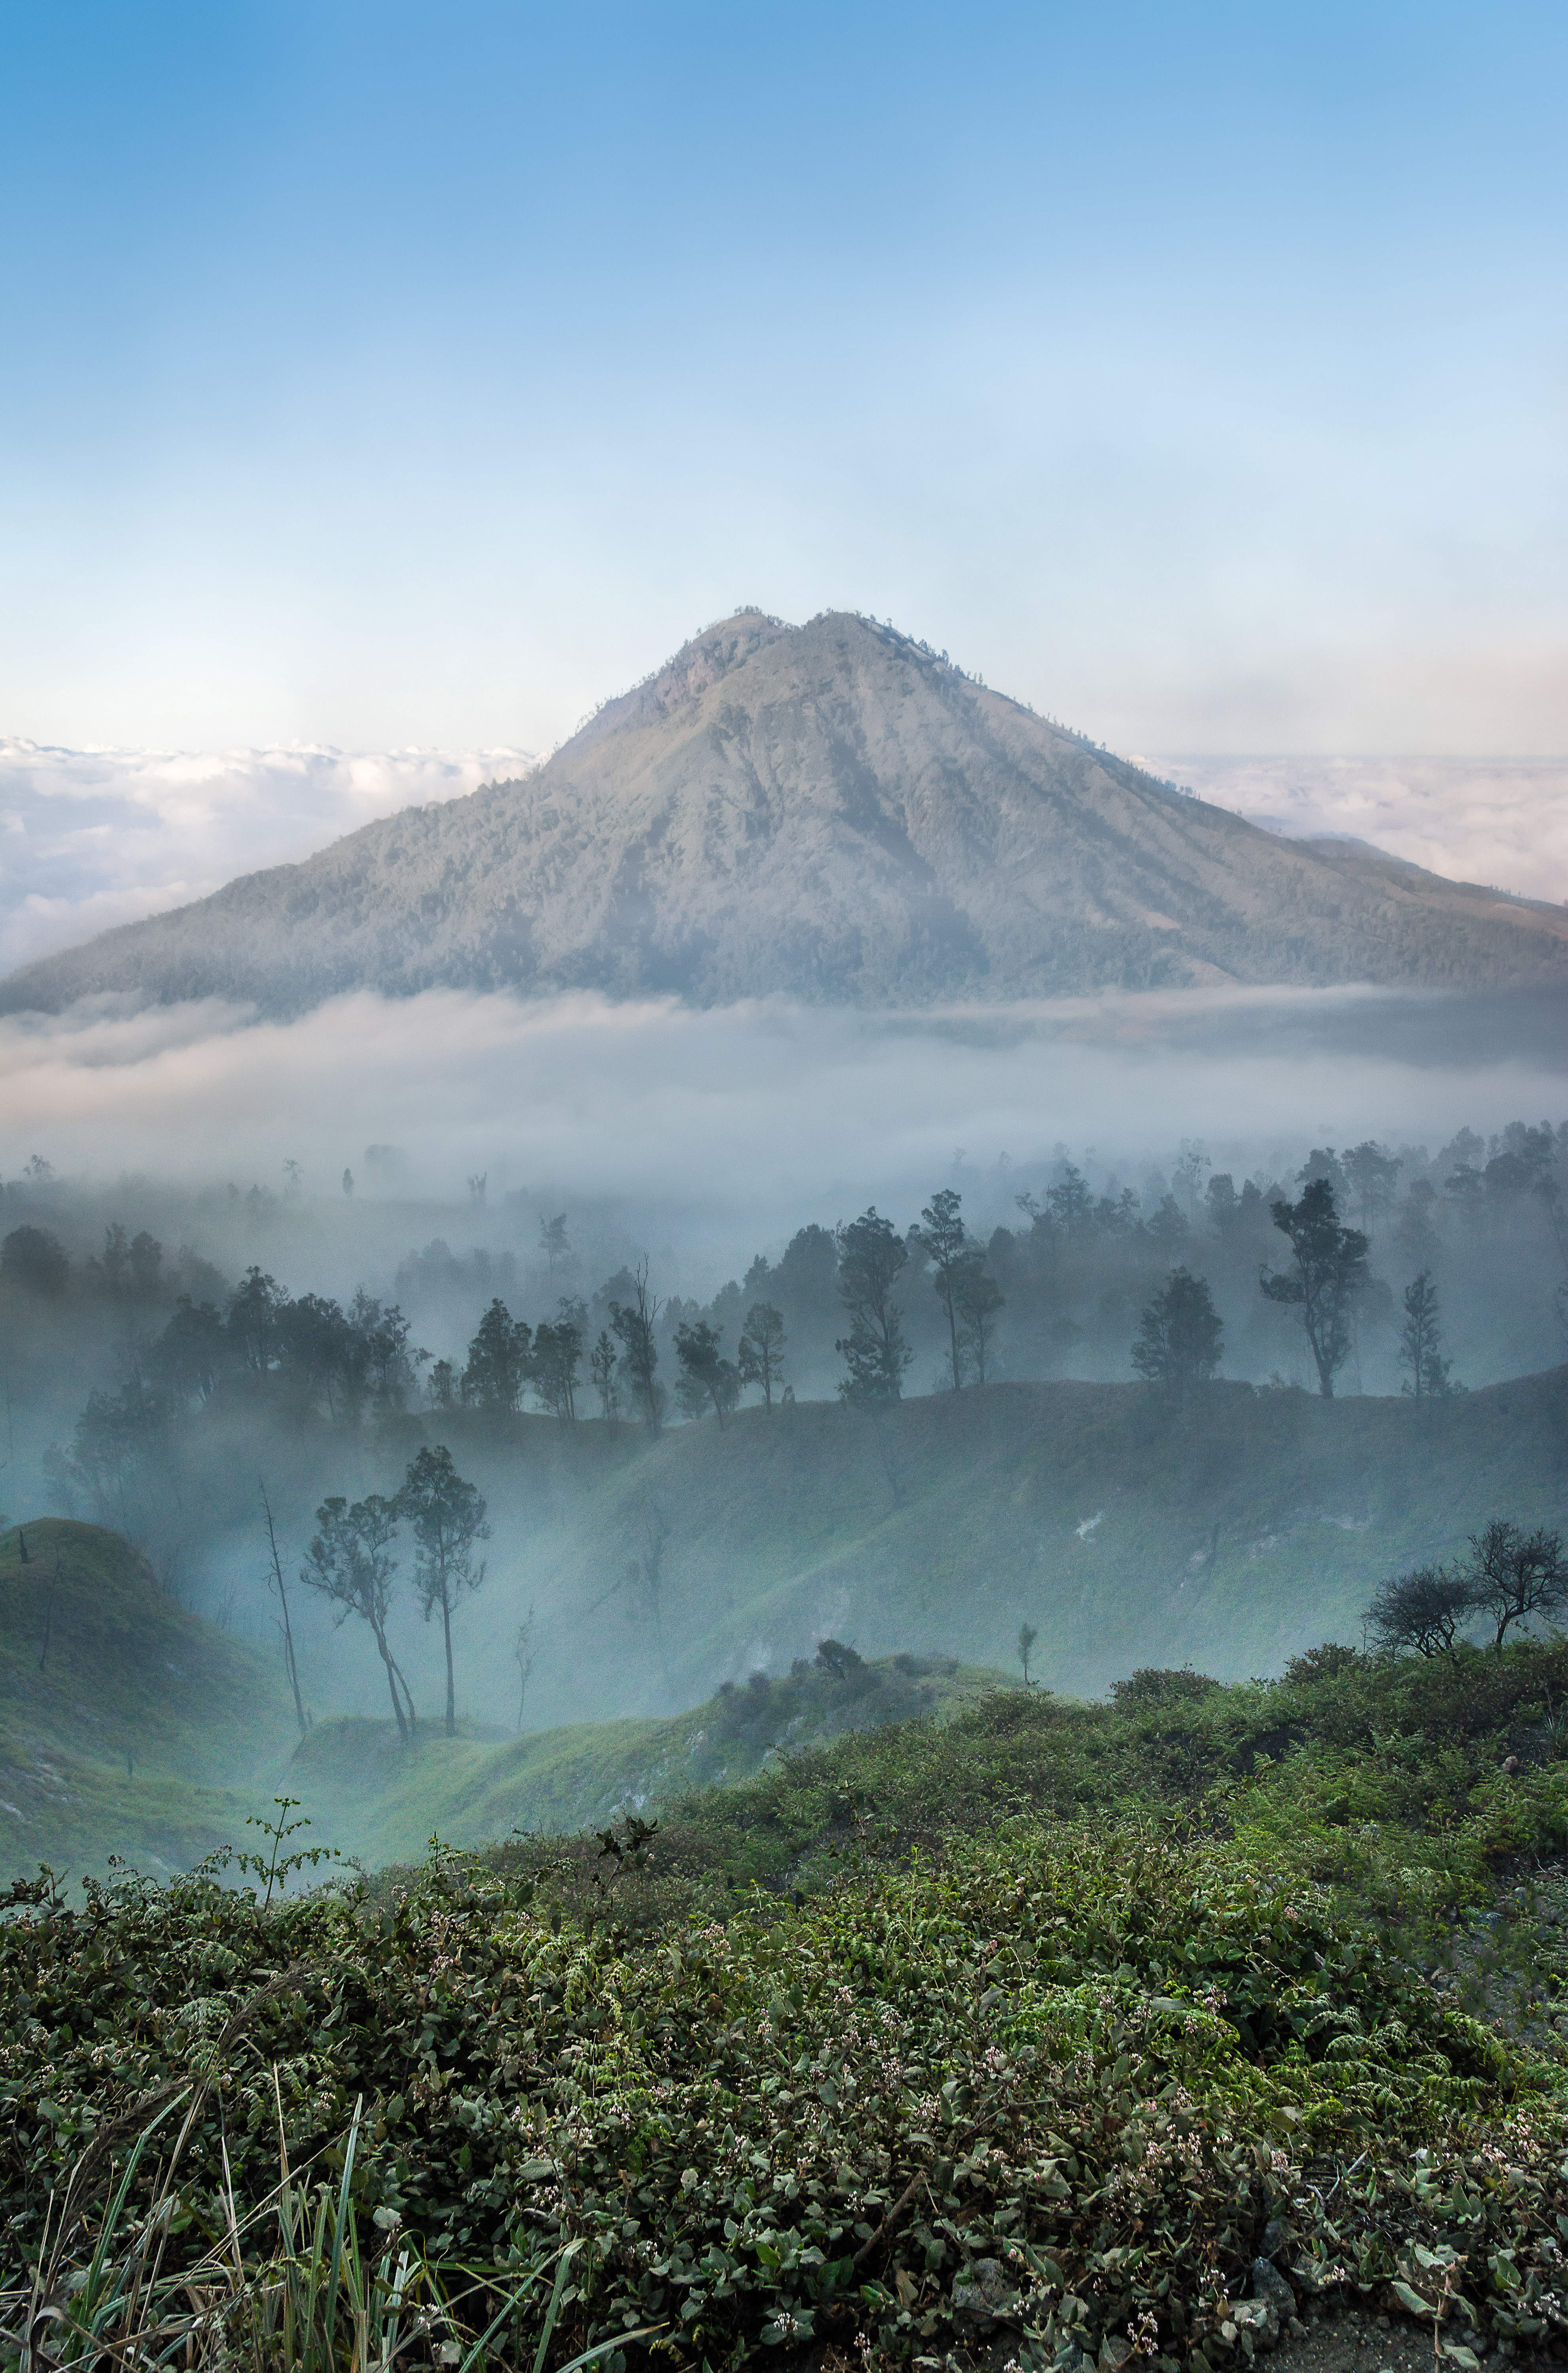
{"x": 831, "y": 812}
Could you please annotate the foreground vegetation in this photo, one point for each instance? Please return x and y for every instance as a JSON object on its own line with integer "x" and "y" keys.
{"x": 1029, "y": 2031}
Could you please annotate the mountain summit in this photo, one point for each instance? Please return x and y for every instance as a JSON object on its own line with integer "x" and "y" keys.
{"x": 834, "y": 813}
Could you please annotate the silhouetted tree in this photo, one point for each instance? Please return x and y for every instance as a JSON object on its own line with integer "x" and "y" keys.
{"x": 557, "y": 1355}
{"x": 1027, "y": 1635}
{"x": 943, "y": 1239}
{"x": 977, "y": 1297}
{"x": 633, "y": 1322}
{"x": 351, "y": 1563}
{"x": 1424, "y": 1611}
{"x": 1330, "y": 1272}
{"x": 1514, "y": 1574}
{"x": 870, "y": 1254}
{"x": 1180, "y": 1334}
{"x": 1371, "y": 1176}
{"x": 706, "y": 1377}
{"x": 554, "y": 1242}
{"x": 1420, "y": 1341}
{"x": 447, "y": 1517}
{"x": 252, "y": 1322}
{"x": 36, "y": 1261}
{"x": 499, "y": 1362}
{"x": 601, "y": 1366}
{"x": 760, "y": 1352}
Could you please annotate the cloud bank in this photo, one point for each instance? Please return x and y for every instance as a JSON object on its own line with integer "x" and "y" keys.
{"x": 89, "y": 839}
{"x": 729, "y": 1128}
{"x": 1498, "y": 821}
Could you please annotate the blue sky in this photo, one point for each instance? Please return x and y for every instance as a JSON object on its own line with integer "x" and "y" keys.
{"x": 413, "y": 373}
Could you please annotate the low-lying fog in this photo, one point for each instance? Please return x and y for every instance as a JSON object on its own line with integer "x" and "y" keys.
{"x": 415, "y": 1148}
{"x": 714, "y": 1133}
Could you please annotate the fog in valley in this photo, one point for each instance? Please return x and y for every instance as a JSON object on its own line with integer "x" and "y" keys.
{"x": 414, "y": 1163}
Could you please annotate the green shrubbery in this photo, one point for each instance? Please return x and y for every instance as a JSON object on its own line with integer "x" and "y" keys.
{"x": 1056, "y": 2015}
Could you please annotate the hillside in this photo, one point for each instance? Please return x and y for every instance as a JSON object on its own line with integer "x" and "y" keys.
{"x": 128, "y": 1726}
{"x": 383, "y": 1801}
{"x": 1180, "y": 2022}
{"x": 830, "y": 812}
{"x": 1232, "y": 1533}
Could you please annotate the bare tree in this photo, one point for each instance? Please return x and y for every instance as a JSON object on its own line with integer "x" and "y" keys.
{"x": 285, "y": 1627}
{"x": 522, "y": 1657}
{"x": 1515, "y": 1574}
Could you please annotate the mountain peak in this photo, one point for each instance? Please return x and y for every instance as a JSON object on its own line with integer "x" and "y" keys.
{"x": 829, "y": 811}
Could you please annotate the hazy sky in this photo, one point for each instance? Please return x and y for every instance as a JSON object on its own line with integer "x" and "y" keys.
{"x": 399, "y": 374}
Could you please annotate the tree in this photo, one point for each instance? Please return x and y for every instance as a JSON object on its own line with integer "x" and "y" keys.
{"x": 945, "y": 1241}
{"x": 1071, "y": 1202}
{"x": 705, "y": 1375}
{"x": 1514, "y": 1574}
{"x": 554, "y": 1242}
{"x": 255, "y": 1310}
{"x": 1424, "y": 1611}
{"x": 760, "y": 1351}
{"x": 602, "y": 1364}
{"x": 36, "y": 1261}
{"x": 1371, "y": 1176}
{"x": 499, "y": 1362}
{"x": 633, "y": 1322}
{"x": 870, "y": 1254}
{"x": 351, "y": 1563}
{"x": 1027, "y": 1635}
{"x": 447, "y": 1516}
{"x": 1329, "y": 1273}
{"x": 285, "y": 1629}
{"x": 557, "y": 1355}
{"x": 1420, "y": 1341}
{"x": 977, "y": 1298}
{"x": 348, "y": 1181}
{"x": 1180, "y": 1334}
{"x": 522, "y": 1657}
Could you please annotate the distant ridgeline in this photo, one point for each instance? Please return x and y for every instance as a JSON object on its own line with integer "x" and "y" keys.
{"x": 830, "y": 811}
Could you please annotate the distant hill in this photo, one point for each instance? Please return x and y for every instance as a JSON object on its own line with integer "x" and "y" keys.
{"x": 1232, "y": 1534}
{"x": 128, "y": 1726}
{"x": 831, "y": 812}
{"x": 363, "y": 1788}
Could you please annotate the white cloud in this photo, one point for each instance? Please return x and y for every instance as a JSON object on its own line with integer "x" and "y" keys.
{"x": 744, "y": 1121}
{"x": 89, "y": 839}
{"x": 1502, "y": 821}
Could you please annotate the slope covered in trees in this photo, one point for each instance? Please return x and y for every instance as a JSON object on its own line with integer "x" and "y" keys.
{"x": 833, "y": 813}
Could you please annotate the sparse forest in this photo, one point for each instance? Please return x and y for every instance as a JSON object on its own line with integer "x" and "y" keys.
{"x": 151, "y": 1392}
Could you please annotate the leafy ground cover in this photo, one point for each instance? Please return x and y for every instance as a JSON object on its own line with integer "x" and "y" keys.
{"x": 1026, "y": 2037}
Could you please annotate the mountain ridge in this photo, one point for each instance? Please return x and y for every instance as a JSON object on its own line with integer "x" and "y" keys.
{"x": 829, "y": 811}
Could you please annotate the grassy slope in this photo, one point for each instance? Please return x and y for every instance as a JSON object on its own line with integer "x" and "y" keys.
{"x": 1233, "y": 1534}
{"x": 124, "y": 1721}
{"x": 366, "y": 1792}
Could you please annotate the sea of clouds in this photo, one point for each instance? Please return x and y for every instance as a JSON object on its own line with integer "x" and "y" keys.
{"x": 1499, "y": 820}
{"x": 89, "y": 839}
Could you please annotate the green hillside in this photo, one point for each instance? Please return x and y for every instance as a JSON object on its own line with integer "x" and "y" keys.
{"x": 369, "y": 1793}
{"x": 128, "y": 1727}
{"x": 1233, "y": 1533}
